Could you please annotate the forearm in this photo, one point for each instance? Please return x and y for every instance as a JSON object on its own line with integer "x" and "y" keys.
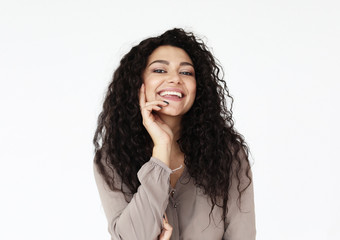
{"x": 140, "y": 218}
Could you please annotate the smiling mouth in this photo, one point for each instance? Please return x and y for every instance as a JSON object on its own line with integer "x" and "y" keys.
{"x": 171, "y": 94}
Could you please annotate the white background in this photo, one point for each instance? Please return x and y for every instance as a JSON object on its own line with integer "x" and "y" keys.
{"x": 281, "y": 60}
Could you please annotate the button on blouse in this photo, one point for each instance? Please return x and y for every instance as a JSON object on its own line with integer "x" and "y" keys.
{"x": 186, "y": 206}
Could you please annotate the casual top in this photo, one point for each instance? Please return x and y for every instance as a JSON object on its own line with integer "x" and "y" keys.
{"x": 186, "y": 206}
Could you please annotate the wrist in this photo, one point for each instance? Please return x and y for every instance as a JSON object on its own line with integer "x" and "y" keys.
{"x": 162, "y": 152}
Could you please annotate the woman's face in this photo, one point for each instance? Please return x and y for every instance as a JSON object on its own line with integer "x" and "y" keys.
{"x": 170, "y": 76}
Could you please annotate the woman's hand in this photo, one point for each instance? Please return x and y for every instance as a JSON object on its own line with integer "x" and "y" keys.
{"x": 166, "y": 231}
{"x": 159, "y": 131}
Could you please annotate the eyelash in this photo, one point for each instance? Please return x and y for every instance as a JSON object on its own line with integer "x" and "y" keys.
{"x": 158, "y": 71}
{"x": 163, "y": 71}
{"x": 187, "y": 73}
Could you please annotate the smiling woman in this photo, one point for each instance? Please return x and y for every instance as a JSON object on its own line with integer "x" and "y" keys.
{"x": 170, "y": 76}
{"x": 169, "y": 163}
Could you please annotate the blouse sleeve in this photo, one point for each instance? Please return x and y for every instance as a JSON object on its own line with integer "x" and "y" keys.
{"x": 141, "y": 218}
{"x": 240, "y": 224}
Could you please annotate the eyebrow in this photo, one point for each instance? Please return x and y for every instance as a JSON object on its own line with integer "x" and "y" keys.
{"x": 167, "y": 63}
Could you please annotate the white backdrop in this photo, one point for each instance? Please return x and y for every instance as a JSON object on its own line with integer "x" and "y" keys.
{"x": 281, "y": 60}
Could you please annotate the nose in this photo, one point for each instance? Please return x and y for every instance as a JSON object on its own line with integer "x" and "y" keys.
{"x": 174, "y": 78}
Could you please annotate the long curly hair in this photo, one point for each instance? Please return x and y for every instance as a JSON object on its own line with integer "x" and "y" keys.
{"x": 214, "y": 151}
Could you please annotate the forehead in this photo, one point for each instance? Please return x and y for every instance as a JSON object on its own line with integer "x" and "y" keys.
{"x": 169, "y": 53}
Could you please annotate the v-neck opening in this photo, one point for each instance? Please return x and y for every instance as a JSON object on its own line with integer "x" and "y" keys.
{"x": 180, "y": 178}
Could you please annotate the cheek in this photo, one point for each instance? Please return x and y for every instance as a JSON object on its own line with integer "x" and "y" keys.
{"x": 149, "y": 93}
{"x": 147, "y": 88}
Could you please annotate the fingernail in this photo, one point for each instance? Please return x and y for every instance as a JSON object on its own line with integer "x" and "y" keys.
{"x": 160, "y": 107}
{"x": 166, "y": 102}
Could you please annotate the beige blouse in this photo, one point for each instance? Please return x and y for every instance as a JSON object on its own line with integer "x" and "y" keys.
{"x": 186, "y": 206}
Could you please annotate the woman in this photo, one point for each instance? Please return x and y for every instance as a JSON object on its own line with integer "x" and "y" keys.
{"x": 169, "y": 163}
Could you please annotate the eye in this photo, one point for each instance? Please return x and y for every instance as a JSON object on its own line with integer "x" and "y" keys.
{"x": 159, "y": 71}
{"x": 187, "y": 73}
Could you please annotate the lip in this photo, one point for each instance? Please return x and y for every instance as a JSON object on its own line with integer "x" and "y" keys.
{"x": 172, "y": 97}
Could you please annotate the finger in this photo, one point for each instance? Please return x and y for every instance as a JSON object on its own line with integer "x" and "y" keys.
{"x": 149, "y": 114}
{"x": 166, "y": 217}
{"x": 167, "y": 231}
{"x": 161, "y": 236}
{"x": 162, "y": 103}
{"x": 150, "y": 108}
{"x": 167, "y": 227}
{"x": 142, "y": 96}
{"x": 164, "y": 221}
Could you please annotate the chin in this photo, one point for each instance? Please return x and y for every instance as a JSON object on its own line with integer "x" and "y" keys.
{"x": 171, "y": 113}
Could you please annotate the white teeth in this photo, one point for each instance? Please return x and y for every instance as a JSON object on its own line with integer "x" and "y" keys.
{"x": 178, "y": 94}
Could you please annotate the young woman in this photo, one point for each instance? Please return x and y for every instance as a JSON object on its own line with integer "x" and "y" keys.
{"x": 169, "y": 163}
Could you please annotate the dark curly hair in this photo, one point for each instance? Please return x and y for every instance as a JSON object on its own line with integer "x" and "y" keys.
{"x": 214, "y": 151}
